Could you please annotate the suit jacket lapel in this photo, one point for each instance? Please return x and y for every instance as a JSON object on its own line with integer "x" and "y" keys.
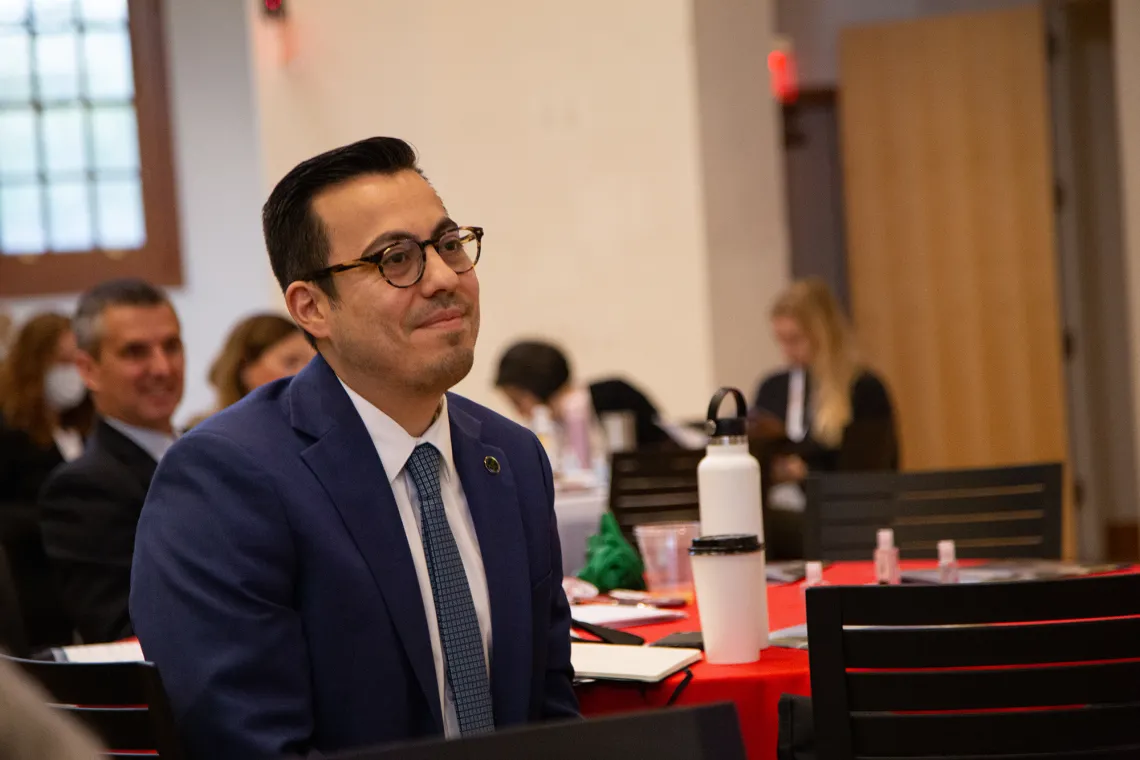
{"x": 345, "y": 461}
{"x": 134, "y": 457}
{"x": 493, "y": 501}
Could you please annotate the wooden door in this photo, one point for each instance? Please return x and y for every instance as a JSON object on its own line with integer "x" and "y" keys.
{"x": 953, "y": 270}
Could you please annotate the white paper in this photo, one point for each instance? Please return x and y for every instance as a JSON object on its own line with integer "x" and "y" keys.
{"x": 622, "y": 615}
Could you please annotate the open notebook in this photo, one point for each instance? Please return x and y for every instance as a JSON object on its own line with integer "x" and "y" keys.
{"x": 610, "y": 662}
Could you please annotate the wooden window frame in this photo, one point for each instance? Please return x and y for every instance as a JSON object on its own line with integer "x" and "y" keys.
{"x": 158, "y": 260}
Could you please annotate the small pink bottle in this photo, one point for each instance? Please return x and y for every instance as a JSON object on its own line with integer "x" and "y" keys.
{"x": 947, "y": 562}
{"x": 813, "y": 576}
{"x": 886, "y": 559}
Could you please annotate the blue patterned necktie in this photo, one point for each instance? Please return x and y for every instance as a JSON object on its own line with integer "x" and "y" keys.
{"x": 454, "y": 608}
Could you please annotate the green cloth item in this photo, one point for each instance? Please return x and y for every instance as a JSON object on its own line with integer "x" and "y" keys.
{"x": 611, "y": 562}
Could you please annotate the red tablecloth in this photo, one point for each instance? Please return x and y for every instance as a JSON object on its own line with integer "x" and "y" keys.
{"x": 755, "y": 688}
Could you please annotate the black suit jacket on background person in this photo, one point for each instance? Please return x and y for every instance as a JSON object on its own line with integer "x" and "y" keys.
{"x": 24, "y": 468}
{"x": 616, "y": 395}
{"x": 869, "y": 441}
{"x": 89, "y": 510}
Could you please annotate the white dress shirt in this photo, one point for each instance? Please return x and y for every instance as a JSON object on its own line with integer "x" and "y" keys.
{"x": 795, "y": 424}
{"x": 394, "y": 446}
{"x": 152, "y": 442}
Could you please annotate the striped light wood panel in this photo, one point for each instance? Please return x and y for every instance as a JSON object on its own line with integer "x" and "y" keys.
{"x": 952, "y": 260}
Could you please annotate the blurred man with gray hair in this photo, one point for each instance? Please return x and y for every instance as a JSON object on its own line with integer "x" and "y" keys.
{"x": 130, "y": 356}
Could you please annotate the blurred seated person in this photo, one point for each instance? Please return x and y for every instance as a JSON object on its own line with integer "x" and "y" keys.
{"x": 535, "y": 374}
{"x": 260, "y": 349}
{"x": 45, "y": 414}
{"x": 827, "y": 411}
{"x": 130, "y": 356}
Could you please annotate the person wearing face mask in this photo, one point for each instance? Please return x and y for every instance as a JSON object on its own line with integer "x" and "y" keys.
{"x": 260, "y": 349}
{"x": 45, "y": 413}
{"x": 130, "y": 355}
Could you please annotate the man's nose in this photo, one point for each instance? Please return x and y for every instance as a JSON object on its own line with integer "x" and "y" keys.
{"x": 437, "y": 274}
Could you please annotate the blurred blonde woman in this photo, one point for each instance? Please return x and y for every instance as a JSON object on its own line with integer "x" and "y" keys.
{"x": 260, "y": 349}
{"x": 828, "y": 409}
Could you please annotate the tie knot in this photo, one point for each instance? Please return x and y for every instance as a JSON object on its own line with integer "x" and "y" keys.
{"x": 424, "y": 461}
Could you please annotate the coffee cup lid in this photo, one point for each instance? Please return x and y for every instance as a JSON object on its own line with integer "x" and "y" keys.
{"x": 729, "y": 544}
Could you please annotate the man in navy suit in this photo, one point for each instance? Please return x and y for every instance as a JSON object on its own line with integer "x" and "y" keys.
{"x": 356, "y": 556}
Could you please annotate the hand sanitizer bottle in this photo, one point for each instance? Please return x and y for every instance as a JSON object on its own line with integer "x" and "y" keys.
{"x": 813, "y": 575}
{"x": 886, "y": 559}
{"x": 947, "y": 562}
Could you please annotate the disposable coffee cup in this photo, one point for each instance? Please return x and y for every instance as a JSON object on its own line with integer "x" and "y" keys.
{"x": 728, "y": 575}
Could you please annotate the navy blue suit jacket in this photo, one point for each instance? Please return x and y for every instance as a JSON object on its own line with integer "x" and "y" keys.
{"x": 274, "y": 588}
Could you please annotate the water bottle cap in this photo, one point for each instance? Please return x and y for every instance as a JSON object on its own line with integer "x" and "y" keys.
{"x": 946, "y": 551}
{"x": 886, "y": 538}
{"x": 813, "y": 572}
{"x": 723, "y": 427}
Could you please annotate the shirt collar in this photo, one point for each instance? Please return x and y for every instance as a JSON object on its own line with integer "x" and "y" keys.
{"x": 394, "y": 444}
{"x": 152, "y": 442}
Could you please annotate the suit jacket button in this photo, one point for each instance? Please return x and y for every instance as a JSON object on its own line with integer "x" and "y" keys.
{"x": 491, "y": 464}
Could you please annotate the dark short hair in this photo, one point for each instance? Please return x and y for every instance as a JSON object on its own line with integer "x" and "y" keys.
{"x": 294, "y": 235}
{"x": 534, "y": 366}
{"x": 87, "y": 323}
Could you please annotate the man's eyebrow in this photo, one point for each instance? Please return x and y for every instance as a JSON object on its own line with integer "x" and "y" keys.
{"x": 442, "y": 226}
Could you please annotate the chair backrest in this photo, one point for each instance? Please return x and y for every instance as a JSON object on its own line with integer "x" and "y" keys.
{"x": 654, "y": 487}
{"x": 989, "y": 513}
{"x": 13, "y": 636}
{"x": 123, "y": 703}
{"x": 709, "y": 732}
{"x": 1047, "y": 669}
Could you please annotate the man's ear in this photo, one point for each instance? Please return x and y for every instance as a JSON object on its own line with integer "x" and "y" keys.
{"x": 88, "y": 368}
{"x": 309, "y": 307}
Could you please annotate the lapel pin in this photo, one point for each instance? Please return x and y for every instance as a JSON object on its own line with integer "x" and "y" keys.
{"x": 491, "y": 464}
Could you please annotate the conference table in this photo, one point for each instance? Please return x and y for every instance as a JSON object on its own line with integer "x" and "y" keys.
{"x": 579, "y": 514}
{"x": 755, "y": 688}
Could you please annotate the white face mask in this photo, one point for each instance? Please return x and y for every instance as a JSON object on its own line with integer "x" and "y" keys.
{"x": 63, "y": 387}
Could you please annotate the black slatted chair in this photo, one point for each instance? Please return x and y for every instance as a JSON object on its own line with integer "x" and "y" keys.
{"x": 1041, "y": 670}
{"x": 123, "y": 703}
{"x": 654, "y": 487}
{"x": 708, "y": 732}
{"x": 998, "y": 513}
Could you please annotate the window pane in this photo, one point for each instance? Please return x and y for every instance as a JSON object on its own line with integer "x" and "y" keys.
{"x": 21, "y": 219}
{"x": 18, "y": 155}
{"x": 13, "y": 11}
{"x": 108, "y": 61}
{"x": 52, "y": 14}
{"x": 69, "y": 206}
{"x": 103, "y": 11}
{"x": 15, "y": 68}
{"x": 116, "y": 137}
{"x": 120, "y": 214}
{"x": 57, "y": 67}
{"x": 64, "y": 146}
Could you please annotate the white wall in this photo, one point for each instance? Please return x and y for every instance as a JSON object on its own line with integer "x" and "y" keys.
{"x": 219, "y": 183}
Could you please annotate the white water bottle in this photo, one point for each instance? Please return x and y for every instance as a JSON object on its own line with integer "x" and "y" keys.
{"x": 728, "y": 484}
